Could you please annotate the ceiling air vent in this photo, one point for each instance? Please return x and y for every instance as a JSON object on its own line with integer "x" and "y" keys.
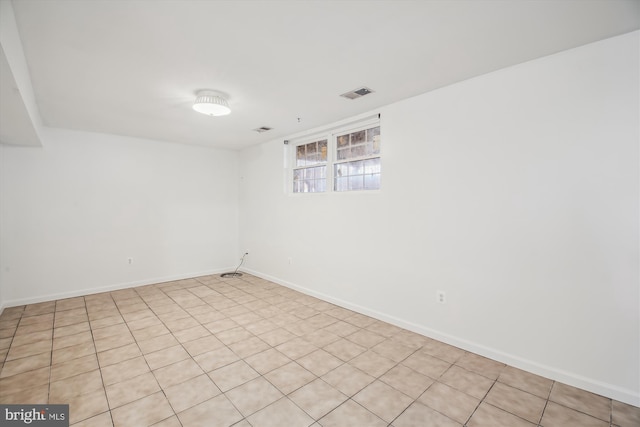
{"x": 357, "y": 93}
{"x": 262, "y": 129}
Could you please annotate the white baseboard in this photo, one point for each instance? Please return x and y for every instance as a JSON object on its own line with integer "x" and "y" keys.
{"x": 630, "y": 397}
{"x": 108, "y": 288}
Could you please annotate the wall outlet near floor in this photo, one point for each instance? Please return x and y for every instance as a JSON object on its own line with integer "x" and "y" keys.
{"x": 130, "y": 260}
{"x": 441, "y": 297}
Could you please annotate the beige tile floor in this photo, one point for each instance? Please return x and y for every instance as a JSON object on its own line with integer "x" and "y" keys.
{"x": 247, "y": 352}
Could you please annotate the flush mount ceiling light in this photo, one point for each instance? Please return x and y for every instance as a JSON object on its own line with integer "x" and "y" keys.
{"x": 211, "y": 103}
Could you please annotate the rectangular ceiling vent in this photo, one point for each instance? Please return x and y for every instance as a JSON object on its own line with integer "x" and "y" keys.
{"x": 357, "y": 93}
{"x": 262, "y": 129}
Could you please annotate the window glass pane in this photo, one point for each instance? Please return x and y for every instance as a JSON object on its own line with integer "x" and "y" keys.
{"x": 358, "y": 137}
{"x": 341, "y": 183}
{"x": 341, "y": 170}
{"x": 343, "y": 141}
{"x": 311, "y": 148}
{"x": 355, "y": 183}
{"x": 376, "y": 144}
{"x": 343, "y": 154}
{"x": 357, "y": 151}
{"x": 356, "y": 168}
{"x": 371, "y": 133}
{"x": 372, "y": 182}
{"x": 300, "y": 155}
{"x": 322, "y": 146}
{"x": 372, "y": 166}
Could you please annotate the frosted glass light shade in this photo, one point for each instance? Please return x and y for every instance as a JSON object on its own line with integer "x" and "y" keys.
{"x": 211, "y": 104}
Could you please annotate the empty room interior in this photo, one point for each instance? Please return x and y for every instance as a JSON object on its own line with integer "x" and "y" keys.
{"x": 321, "y": 213}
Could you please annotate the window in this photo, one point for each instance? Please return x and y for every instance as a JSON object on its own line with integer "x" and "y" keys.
{"x": 345, "y": 160}
{"x": 357, "y": 165}
{"x": 310, "y": 173}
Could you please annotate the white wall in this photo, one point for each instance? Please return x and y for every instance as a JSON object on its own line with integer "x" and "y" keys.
{"x": 517, "y": 193}
{"x": 74, "y": 211}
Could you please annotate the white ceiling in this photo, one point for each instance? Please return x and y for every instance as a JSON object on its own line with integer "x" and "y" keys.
{"x": 133, "y": 67}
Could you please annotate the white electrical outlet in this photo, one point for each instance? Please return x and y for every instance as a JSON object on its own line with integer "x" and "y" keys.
{"x": 441, "y": 297}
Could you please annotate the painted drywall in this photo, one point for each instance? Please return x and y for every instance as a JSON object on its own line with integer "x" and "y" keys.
{"x": 73, "y": 212}
{"x": 20, "y": 114}
{"x": 516, "y": 193}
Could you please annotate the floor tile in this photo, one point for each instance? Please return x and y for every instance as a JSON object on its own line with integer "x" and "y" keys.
{"x": 348, "y": 379}
{"x": 233, "y": 375}
{"x": 190, "y": 334}
{"x": 517, "y": 402}
{"x": 289, "y": 377}
{"x": 351, "y": 414}
{"x": 73, "y": 352}
{"x": 418, "y": 415}
{"x": 426, "y": 364}
{"x": 296, "y": 348}
{"x": 70, "y": 340}
{"x": 35, "y": 395}
{"x": 157, "y": 343}
{"x": 61, "y": 391}
{"x": 344, "y": 350}
{"x": 117, "y": 355}
{"x": 168, "y": 356}
{"x": 202, "y": 345}
{"x": 280, "y": 413}
{"x": 218, "y": 411}
{"x": 319, "y": 362}
{"x": 580, "y": 400}
{"x": 110, "y": 331}
{"x": 490, "y": 416}
{"x": 320, "y": 338}
{"x": 526, "y": 381}
{"x": 71, "y": 330}
{"x": 267, "y": 360}
{"x": 383, "y": 400}
{"x": 29, "y": 338}
{"x": 253, "y": 396}
{"x": 407, "y": 381}
{"x": 249, "y": 347}
{"x": 372, "y": 363}
{"x": 177, "y": 373}
{"x": 86, "y": 405}
{"x": 113, "y": 341}
{"x": 25, "y": 364}
{"x": 30, "y": 349}
{"x": 24, "y": 381}
{"x": 625, "y": 415}
{"x": 125, "y": 370}
{"x": 276, "y": 337}
{"x": 365, "y": 338}
{"x": 101, "y": 420}
{"x": 481, "y": 365}
{"x": 142, "y": 412}
{"x": 215, "y": 359}
{"x": 191, "y": 392}
{"x": 559, "y": 416}
{"x": 392, "y": 349}
{"x": 466, "y": 381}
{"x": 450, "y": 402}
{"x": 131, "y": 390}
{"x": 317, "y": 398}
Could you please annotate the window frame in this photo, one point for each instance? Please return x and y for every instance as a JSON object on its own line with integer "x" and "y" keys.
{"x": 331, "y": 136}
